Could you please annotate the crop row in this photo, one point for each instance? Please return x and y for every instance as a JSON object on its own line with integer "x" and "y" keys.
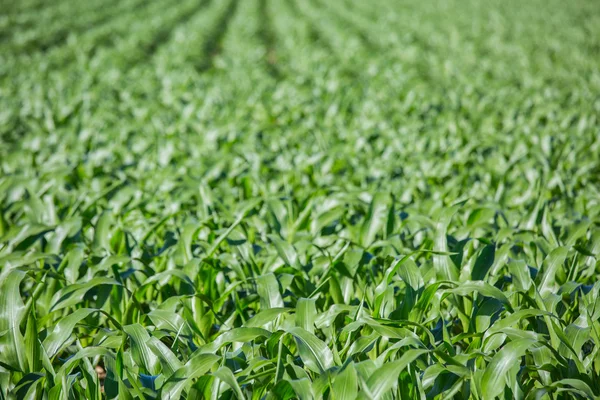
{"x": 299, "y": 199}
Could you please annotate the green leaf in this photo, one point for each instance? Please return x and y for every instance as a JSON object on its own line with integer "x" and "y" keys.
{"x": 12, "y": 312}
{"x": 140, "y": 351}
{"x": 32, "y": 341}
{"x": 102, "y": 232}
{"x": 268, "y": 290}
{"x": 265, "y": 317}
{"x": 246, "y": 209}
{"x": 410, "y": 274}
{"x": 483, "y": 288}
{"x": 306, "y": 313}
{"x": 442, "y": 263}
{"x": 385, "y": 377}
{"x": 576, "y": 336}
{"x": 167, "y": 320}
{"x": 168, "y": 360}
{"x": 227, "y": 376}
{"x": 286, "y": 251}
{"x": 73, "y": 294}
{"x": 182, "y": 379}
{"x": 239, "y": 335}
{"x": 484, "y": 262}
{"x": 520, "y": 274}
{"x": 345, "y": 384}
{"x": 494, "y": 376}
{"x": 314, "y": 353}
{"x": 546, "y": 281}
{"x": 62, "y": 331}
{"x": 302, "y": 388}
{"x": 376, "y": 219}
{"x": 576, "y": 384}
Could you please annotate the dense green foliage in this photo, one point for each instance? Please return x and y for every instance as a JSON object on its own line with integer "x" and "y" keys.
{"x": 306, "y": 199}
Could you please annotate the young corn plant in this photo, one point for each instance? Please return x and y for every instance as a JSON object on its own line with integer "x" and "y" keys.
{"x": 299, "y": 199}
